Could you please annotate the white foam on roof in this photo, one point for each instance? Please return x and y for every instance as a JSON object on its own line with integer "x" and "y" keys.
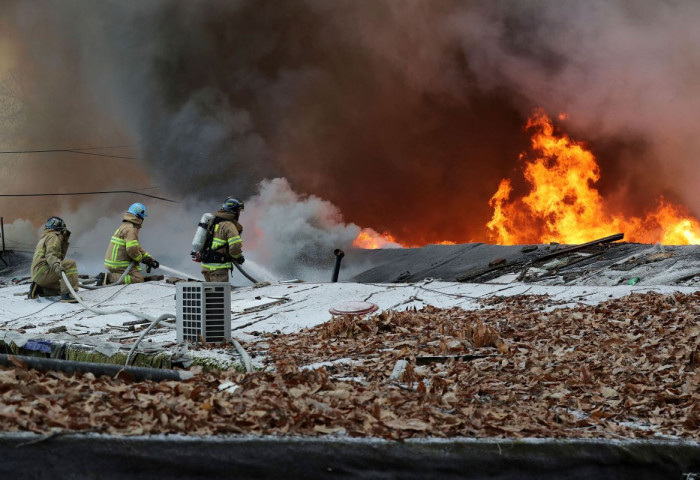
{"x": 286, "y": 308}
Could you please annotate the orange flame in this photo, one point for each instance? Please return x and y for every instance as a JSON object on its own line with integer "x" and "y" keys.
{"x": 370, "y": 239}
{"x": 564, "y": 206}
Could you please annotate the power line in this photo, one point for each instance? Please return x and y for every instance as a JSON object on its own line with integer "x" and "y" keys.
{"x": 102, "y": 155}
{"x": 84, "y": 193}
{"x": 69, "y": 150}
{"x": 104, "y": 148}
{"x": 107, "y": 147}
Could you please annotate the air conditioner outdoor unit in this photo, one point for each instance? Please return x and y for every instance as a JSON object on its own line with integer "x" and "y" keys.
{"x": 203, "y": 312}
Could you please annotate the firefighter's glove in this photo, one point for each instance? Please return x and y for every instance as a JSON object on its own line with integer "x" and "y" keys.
{"x": 151, "y": 262}
{"x": 239, "y": 260}
{"x": 58, "y": 268}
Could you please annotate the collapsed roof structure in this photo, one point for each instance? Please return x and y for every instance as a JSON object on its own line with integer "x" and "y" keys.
{"x": 600, "y": 262}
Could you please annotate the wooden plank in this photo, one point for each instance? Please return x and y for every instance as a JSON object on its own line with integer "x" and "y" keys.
{"x": 574, "y": 248}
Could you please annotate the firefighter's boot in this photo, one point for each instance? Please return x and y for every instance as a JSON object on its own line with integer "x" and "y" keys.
{"x": 68, "y": 298}
{"x": 35, "y": 291}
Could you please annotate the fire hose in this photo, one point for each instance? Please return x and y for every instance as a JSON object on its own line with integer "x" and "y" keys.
{"x": 180, "y": 274}
{"x": 126, "y": 272}
{"x": 154, "y": 322}
{"x": 245, "y": 274}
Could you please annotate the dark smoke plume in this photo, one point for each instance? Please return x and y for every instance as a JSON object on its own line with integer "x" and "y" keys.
{"x": 403, "y": 113}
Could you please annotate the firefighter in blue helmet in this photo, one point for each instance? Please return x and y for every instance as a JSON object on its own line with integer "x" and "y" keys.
{"x": 124, "y": 249}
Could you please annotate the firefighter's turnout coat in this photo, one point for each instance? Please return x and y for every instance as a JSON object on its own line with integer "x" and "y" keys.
{"x": 49, "y": 254}
{"x": 124, "y": 248}
{"x": 226, "y": 245}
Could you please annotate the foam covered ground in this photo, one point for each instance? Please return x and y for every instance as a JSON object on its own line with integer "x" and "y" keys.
{"x": 281, "y": 307}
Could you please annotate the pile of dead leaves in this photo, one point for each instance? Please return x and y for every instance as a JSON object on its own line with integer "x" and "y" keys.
{"x": 626, "y": 368}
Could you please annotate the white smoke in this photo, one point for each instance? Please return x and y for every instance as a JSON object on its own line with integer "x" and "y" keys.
{"x": 20, "y": 235}
{"x": 294, "y": 234}
{"x": 285, "y": 234}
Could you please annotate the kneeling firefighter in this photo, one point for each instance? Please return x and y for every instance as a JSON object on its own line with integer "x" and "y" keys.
{"x": 124, "y": 249}
{"x": 49, "y": 261}
{"x": 222, "y": 243}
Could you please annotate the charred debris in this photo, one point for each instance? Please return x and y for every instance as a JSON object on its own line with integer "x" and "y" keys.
{"x": 604, "y": 261}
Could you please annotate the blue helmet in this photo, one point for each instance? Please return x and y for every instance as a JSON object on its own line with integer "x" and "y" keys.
{"x": 55, "y": 223}
{"x": 138, "y": 209}
{"x": 232, "y": 205}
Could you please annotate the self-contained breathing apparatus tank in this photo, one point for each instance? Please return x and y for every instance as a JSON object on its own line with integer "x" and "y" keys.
{"x": 200, "y": 236}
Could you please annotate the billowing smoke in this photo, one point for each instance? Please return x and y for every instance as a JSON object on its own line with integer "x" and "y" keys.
{"x": 20, "y": 235}
{"x": 294, "y": 233}
{"x": 286, "y": 234}
{"x": 405, "y": 114}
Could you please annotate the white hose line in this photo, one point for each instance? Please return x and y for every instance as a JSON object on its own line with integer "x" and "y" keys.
{"x": 102, "y": 311}
{"x": 118, "y": 282}
{"x": 247, "y": 361}
{"x": 148, "y": 329}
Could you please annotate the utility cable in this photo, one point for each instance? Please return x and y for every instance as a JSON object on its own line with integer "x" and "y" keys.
{"x": 68, "y": 150}
{"x": 85, "y": 193}
{"x": 105, "y": 148}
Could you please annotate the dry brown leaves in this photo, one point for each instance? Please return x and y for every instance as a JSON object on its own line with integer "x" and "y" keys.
{"x": 628, "y": 367}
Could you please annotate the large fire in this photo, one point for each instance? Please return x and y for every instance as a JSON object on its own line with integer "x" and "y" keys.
{"x": 564, "y": 206}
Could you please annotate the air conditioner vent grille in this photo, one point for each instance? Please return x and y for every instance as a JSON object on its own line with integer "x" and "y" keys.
{"x": 204, "y": 312}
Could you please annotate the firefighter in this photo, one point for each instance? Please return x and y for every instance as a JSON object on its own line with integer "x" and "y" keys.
{"x": 124, "y": 249}
{"x": 49, "y": 261}
{"x": 226, "y": 244}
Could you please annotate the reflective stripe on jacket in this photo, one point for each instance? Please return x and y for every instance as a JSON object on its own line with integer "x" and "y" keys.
{"x": 124, "y": 246}
{"x": 226, "y": 241}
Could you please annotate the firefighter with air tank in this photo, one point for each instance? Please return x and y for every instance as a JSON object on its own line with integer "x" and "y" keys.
{"x": 217, "y": 242}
